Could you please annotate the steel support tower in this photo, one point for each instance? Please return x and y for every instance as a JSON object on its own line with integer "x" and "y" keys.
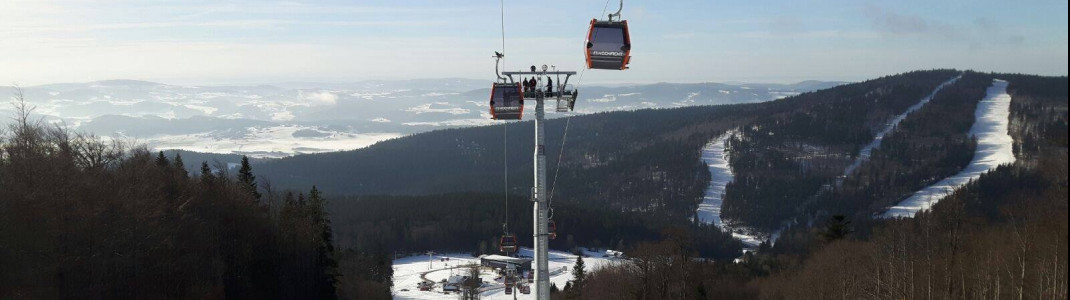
{"x": 541, "y": 199}
{"x": 541, "y": 211}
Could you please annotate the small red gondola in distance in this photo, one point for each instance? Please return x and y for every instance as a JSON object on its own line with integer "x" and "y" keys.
{"x": 552, "y": 229}
{"x": 507, "y": 244}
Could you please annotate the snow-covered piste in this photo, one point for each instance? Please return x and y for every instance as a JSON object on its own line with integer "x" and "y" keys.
{"x": 866, "y": 151}
{"x": 994, "y": 148}
{"x": 715, "y": 155}
{"x": 410, "y": 271}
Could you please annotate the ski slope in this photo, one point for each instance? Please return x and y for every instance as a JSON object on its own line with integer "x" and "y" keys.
{"x": 410, "y": 271}
{"x": 994, "y": 148}
{"x": 866, "y": 151}
{"x": 715, "y": 155}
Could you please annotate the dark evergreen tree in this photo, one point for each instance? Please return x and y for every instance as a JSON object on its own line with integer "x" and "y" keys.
{"x": 162, "y": 162}
{"x": 207, "y": 177}
{"x": 574, "y": 288}
{"x": 247, "y": 179}
{"x": 325, "y": 248}
{"x": 836, "y": 228}
{"x": 179, "y": 166}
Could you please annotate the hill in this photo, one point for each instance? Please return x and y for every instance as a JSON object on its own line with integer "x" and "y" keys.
{"x": 645, "y": 160}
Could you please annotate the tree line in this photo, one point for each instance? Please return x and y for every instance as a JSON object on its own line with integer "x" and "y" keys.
{"x": 85, "y": 217}
{"x": 473, "y": 223}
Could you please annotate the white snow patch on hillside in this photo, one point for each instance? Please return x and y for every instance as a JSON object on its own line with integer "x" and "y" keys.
{"x": 715, "y": 155}
{"x": 716, "y": 159}
{"x": 410, "y": 271}
{"x": 605, "y": 99}
{"x": 438, "y": 107}
{"x": 994, "y": 148}
{"x": 866, "y": 151}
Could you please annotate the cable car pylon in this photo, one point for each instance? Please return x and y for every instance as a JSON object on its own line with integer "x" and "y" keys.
{"x": 501, "y": 103}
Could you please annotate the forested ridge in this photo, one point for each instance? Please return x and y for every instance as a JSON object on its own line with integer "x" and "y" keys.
{"x": 783, "y": 158}
{"x": 643, "y": 160}
{"x": 1003, "y": 236}
{"x": 929, "y": 145}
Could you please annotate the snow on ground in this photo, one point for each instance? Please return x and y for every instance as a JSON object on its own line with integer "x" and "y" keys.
{"x": 715, "y": 156}
{"x": 994, "y": 148}
{"x": 863, "y": 155}
{"x": 410, "y": 271}
{"x": 269, "y": 141}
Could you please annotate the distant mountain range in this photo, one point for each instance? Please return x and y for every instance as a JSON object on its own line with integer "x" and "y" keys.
{"x": 301, "y": 117}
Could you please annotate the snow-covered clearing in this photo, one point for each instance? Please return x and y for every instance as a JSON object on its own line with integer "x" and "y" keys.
{"x": 994, "y": 148}
{"x": 866, "y": 151}
{"x": 715, "y": 155}
{"x": 410, "y": 271}
{"x": 275, "y": 141}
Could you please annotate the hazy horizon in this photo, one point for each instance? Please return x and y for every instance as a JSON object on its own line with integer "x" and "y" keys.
{"x": 211, "y": 43}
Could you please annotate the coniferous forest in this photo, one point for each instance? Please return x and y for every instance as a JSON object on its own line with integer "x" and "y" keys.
{"x": 85, "y": 217}
{"x": 1003, "y": 236}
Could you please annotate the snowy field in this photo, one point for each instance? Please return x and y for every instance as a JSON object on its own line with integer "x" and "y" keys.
{"x": 410, "y": 271}
{"x": 994, "y": 148}
{"x": 715, "y": 155}
{"x": 270, "y": 142}
{"x": 866, "y": 151}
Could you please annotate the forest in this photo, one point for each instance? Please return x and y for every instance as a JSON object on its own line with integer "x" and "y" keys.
{"x": 1003, "y": 236}
{"x": 930, "y": 144}
{"x": 642, "y": 160}
{"x": 472, "y": 222}
{"x": 782, "y": 159}
{"x": 86, "y": 217}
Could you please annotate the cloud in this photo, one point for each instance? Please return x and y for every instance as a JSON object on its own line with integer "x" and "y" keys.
{"x": 320, "y": 98}
{"x": 891, "y": 22}
{"x": 282, "y": 116}
{"x": 982, "y": 32}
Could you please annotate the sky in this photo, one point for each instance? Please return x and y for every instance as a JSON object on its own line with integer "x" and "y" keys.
{"x": 778, "y": 41}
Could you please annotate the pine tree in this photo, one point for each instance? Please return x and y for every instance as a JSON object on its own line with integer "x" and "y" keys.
{"x": 579, "y": 275}
{"x": 836, "y": 228}
{"x": 179, "y": 166}
{"x": 161, "y": 161}
{"x": 206, "y": 174}
{"x": 247, "y": 179}
{"x": 325, "y": 249}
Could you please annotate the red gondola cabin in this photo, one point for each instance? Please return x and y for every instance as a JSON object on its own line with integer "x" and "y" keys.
{"x": 552, "y": 228}
{"x": 506, "y": 101}
{"x": 609, "y": 45}
{"x": 507, "y": 244}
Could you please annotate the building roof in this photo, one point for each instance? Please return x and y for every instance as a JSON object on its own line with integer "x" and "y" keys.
{"x": 507, "y": 259}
